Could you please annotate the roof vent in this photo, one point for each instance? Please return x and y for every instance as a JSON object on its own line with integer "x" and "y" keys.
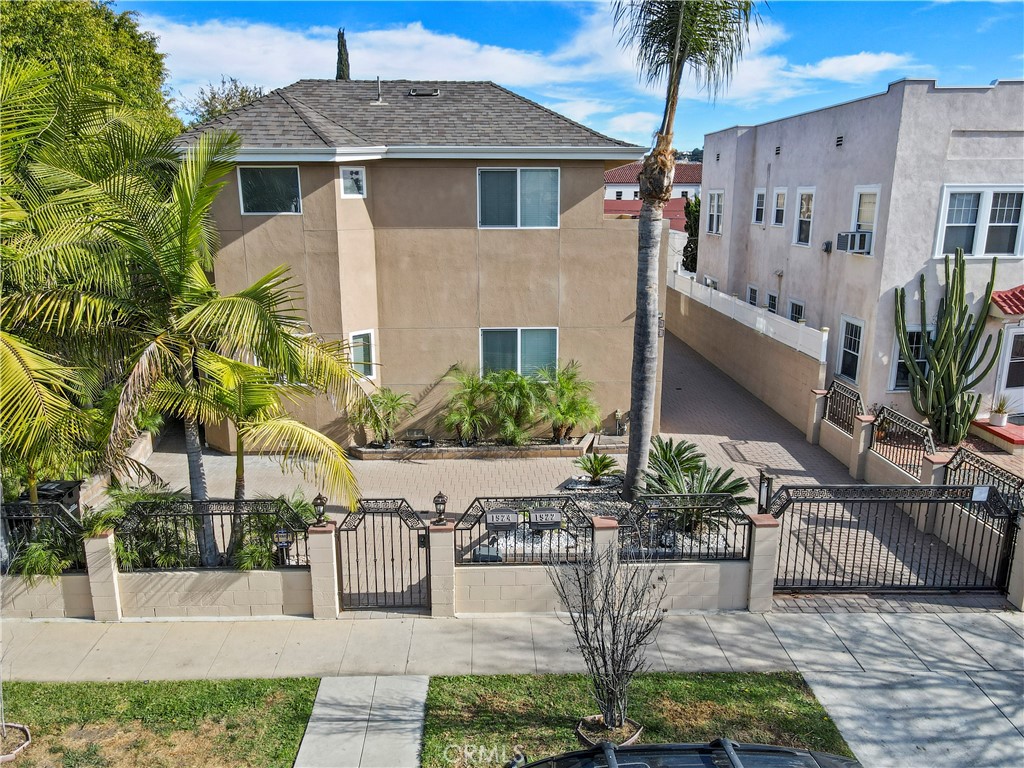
{"x": 425, "y": 92}
{"x": 778, "y": 151}
{"x": 380, "y": 97}
{"x": 839, "y": 141}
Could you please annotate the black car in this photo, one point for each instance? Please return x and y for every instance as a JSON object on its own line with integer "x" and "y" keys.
{"x": 720, "y": 753}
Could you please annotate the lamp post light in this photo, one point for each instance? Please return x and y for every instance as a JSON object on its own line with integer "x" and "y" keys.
{"x": 439, "y": 504}
{"x": 320, "y": 507}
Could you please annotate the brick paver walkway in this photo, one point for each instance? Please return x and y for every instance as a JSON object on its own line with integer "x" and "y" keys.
{"x": 891, "y": 603}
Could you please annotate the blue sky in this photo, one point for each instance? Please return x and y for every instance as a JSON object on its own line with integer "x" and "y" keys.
{"x": 565, "y": 55}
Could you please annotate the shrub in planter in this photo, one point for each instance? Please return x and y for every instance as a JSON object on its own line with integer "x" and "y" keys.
{"x": 680, "y": 468}
{"x": 466, "y": 410}
{"x": 598, "y": 466}
{"x": 514, "y": 402}
{"x": 568, "y": 403}
{"x": 381, "y": 413}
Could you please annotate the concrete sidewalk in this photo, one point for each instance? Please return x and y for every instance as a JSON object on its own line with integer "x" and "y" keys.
{"x": 928, "y": 690}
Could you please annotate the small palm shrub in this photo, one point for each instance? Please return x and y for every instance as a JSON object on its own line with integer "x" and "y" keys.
{"x": 680, "y": 468}
{"x": 567, "y": 403}
{"x": 382, "y": 412}
{"x": 43, "y": 557}
{"x": 466, "y": 410}
{"x": 597, "y": 466}
{"x": 514, "y": 402}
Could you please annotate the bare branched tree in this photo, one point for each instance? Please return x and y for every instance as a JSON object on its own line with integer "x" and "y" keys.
{"x": 614, "y": 608}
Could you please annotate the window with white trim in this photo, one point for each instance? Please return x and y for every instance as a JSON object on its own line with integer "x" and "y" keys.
{"x": 773, "y": 303}
{"x": 362, "y": 352}
{"x": 518, "y": 198}
{"x": 804, "y": 217}
{"x": 524, "y": 350}
{"x": 796, "y": 310}
{"x": 752, "y": 295}
{"x": 779, "y": 213}
{"x": 266, "y": 190}
{"x": 715, "y": 206}
{"x": 984, "y": 220}
{"x": 636, "y": 194}
{"x": 711, "y": 282}
{"x": 865, "y": 212}
{"x": 618, "y": 195}
{"x": 900, "y": 381}
{"x": 759, "y": 198}
{"x": 353, "y": 182}
{"x": 851, "y": 337}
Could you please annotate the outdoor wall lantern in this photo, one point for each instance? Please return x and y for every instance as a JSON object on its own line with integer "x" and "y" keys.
{"x": 439, "y": 504}
{"x": 661, "y": 325}
{"x": 320, "y": 507}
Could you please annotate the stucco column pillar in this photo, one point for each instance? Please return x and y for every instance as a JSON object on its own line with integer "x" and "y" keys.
{"x": 606, "y": 534}
{"x": 815, "y": 413}
{"x": 101, "y": 562}
{"x": 323, "y": 570}
{"x": 764, "y": 558}
{"x": 1015, "y": 590}
{"x": 862, "y": 426}
{"x": 933, "y": 469}
{"x": 442, "y": 569}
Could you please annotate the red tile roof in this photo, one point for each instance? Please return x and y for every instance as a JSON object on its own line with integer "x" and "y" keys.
{"x": 1011, "y": 301}
{"x": 675, "y": 211}
{"x": 686, "y": 173}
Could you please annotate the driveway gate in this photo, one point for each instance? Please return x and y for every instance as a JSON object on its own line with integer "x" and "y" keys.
{"x": 892, "y": 538}
{"x": 383, "y": 556}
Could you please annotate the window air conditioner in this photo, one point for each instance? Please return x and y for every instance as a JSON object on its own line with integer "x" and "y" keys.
{"x": 853, "y": 242}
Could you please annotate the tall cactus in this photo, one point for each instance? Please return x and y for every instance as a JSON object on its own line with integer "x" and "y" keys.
{"x": 943, "y": 391}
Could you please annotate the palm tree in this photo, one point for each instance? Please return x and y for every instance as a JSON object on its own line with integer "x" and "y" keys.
{"x": 708, "y": 36}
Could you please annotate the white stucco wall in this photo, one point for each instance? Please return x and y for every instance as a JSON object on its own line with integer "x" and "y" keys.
{"x": 909, "y": 142}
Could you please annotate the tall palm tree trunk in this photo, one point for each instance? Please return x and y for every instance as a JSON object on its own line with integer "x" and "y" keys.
{"x": 238, "y": 518}
{"x": 206, "y": 533}
{"x": 655, "y": 188}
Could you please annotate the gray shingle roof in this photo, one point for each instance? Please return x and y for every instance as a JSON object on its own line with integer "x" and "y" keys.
{"x": 342, "y": 113}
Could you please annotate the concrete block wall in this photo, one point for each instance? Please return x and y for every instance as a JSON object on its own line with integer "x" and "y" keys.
{"x": 710, "y": 586}
{"x": 496, "y": 588}
{"x": 216, "y": 592}
{"x": 835, "y": 441}
{"x": 878, "y": 470}
{"x": 68, "y": 597}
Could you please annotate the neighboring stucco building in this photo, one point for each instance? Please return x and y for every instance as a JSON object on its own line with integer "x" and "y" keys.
{"x": 433, "y": 224}
{"x": 622, "y": 183}
{"x": 821, "y": 216}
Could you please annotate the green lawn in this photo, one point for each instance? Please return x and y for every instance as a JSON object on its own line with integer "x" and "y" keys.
{"x": 472, "y": 716}
{"x": 257, "y": 723}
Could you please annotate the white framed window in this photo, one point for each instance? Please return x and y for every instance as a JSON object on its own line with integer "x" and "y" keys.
{"x": 517, "y": 198}
{"x": 353, "y": 181}
{"x": 759, "y": 201}
{"x": 983, "y": 219}
{"x": 772, "y": 303}
{"x": 524, "y": 350}
{"x": 865, "y": 212}
{"x": 715, "y": 207}
{"x": 618, "y": 195}
{"x": 752, "y": 295}
{"x": 779, "y": 208}
{"x": 363, "y": 352}
{"x": 636, "y": 194}
{"x": 711, "y": 282}
{"x": 899, "y": 378}
{"x": 796, "y": 310}
{"x": 851, "y": 340}
{"x": 268, "y": 190}
{"x": 804, "y": 216}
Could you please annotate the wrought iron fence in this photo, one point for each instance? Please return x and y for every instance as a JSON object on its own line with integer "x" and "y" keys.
{"x": 893, "y": 538}
{"x": 523, "y": 530}
{"x": 256, "y": 534}
{"x": 969, "y": 468}
{"x": 37, "y": 536}
{"x": 707, "y": 526}
{"x": 842, "y": 405}
{"x": 901, "y": 440}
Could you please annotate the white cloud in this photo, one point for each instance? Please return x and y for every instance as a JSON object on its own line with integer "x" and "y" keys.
{"x": 855, "y": 68}
{"x": 637, "y": 127}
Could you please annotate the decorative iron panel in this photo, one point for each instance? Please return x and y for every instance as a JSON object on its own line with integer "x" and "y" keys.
{"x": 684, "y": 527}
{"x": 522, "y": 538}
{"x": 47, "y": 525}
{"x": 969, "y": 468}
{"x": 901, "y": 440}
{"x": 842, "y": 405}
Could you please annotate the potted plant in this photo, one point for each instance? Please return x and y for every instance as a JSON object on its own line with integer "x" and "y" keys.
{"x": 597, "y": 467}
{"x": 466, "y": 410}
{"x": 1000, "y": 412}
{"x": 568, "y": 403}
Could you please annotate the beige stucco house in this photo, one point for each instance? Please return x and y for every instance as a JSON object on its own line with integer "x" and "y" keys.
{"x": 821, "y": 216}
{"x": 432, "y": 224}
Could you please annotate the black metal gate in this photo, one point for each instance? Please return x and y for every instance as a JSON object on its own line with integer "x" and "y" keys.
{"x": 383, "y": 556}
{"x": 892, "y": 538}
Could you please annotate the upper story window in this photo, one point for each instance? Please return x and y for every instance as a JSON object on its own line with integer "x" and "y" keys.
{"x": 773, "y": 302}
{"x": 752, "y": 295}
{"x": 851, "y": 335}
{"x": 362, "y": 351}
{"x": 618, "y": 195}
{"x": 805, "y": 215}
{"x": 353, "y": 182}
{"x": 984, "y": 221}
{"x": 711, "y": 282}
{"x": 759, "y": 197}
{"x": 636, "y": 194}
{"x": 779, "y": 217}
{"x": 865, "y": 213}
{"x": 266, "y": 190}
{"x": 796, "y": 310}
{"x": 524, "y": 350}
{"x": 525, "y": 198}
{"x": 715, "y": 204}
{"x": 901, "y": 372}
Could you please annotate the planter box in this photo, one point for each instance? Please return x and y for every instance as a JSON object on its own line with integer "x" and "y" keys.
{"x": 401, "y": 452}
